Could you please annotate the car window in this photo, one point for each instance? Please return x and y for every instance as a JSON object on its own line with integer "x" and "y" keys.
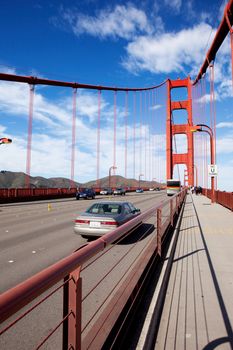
{"x": 103, "y": 208}
{"x": 131, "y": 206}
{"x": 127, "y": 209}
{"x": 115, "y": 208}
{"x": 93, "y": 209}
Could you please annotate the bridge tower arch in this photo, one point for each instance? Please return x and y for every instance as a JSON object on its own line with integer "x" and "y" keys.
{"x": 173, "y": 129}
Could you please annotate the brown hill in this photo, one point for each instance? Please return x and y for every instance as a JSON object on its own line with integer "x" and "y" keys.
{"x": 9, "y": 179}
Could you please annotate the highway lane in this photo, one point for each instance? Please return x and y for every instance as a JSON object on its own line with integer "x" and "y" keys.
{"x": 33, "y": 237}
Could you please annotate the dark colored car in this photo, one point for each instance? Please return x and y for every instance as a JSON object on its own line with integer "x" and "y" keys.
{"x": 85, "y": 194}
{"x": 119, "y": 192}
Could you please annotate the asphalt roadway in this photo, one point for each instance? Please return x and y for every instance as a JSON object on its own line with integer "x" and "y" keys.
{"x": 34, "y": 235}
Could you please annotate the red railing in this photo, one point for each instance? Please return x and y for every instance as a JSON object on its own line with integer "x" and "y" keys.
{"x": 93, "y": 297}
{"x": 22, "y": 194}
{"x": 27, "y": 194}
{"x": 221, "y": 197}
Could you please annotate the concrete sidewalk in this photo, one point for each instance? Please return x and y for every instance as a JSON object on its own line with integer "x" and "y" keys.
{"x": 198, "y": 310}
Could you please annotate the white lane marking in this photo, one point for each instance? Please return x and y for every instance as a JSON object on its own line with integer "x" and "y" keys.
{"x": 6, "y": 231}
{"x": 10, "y": 261}
{"x": 34, "y": 252}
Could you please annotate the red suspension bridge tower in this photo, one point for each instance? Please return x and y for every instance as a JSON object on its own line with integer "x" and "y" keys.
{"x": 174, "y": 129}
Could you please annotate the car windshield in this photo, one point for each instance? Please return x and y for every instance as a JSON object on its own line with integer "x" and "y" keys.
{"x": 103, "y": 208}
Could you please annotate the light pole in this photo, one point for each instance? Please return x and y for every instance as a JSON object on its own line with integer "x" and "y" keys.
{"x": 209, "y": 131}
{"x": 113, "y": 167}
{"x": 139, "y": 179}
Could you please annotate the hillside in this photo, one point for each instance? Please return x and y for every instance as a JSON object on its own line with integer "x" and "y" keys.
{"x": 9, "y": 179}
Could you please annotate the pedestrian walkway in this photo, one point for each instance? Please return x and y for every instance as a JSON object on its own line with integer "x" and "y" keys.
{"x": 198, "y": 309}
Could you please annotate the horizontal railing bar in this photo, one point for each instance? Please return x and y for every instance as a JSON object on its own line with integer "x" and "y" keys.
{"x": 17, "y": 297}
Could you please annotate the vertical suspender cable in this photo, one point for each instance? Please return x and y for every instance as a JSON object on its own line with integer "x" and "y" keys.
{"x": 73, "y": 138}
{"x": 145, "y": 128}
{"x": 149, "y": 134}
{"x": 153, "y": 137}
{"x": 114, "y": 138}
{"x": 98, "y": 141}
{"x": 140, "y": 132}
{"x": 206, "y": 153}
{"x": 29, "y": 142}
{"x": 126, "y": 134}
{"x": 213, "y": 116}
{"x": 134, "y": 133}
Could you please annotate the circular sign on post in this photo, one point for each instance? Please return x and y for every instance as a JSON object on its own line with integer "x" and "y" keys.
{"x": 212, "y": 170}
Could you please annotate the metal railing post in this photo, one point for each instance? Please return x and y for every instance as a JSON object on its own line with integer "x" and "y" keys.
{"x": 159, "y": 230}
{"x": 74, "y": 309}
{"x": 171, "y": 212}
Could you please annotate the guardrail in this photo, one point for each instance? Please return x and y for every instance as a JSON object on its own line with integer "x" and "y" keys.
{"x": 9, "y": 195}
{"x": 23, "y": 194}
{"x": 92, "y": 297}
{"x": 221, "y": 197}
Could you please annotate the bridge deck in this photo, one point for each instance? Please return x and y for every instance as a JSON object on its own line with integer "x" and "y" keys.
{"x": 198, "y": 310}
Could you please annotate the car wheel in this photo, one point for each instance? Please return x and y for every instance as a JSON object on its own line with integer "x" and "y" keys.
{"x": 77, "y": 198}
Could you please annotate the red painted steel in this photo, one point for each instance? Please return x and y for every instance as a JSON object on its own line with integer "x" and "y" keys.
{"x": 209, "y": 131}
{"x": 126, "y": 135}
{"x": 27, "y": 194}
{"x": 174, "y": 129}
{"x": 134, "y": 135}
{"x": 114, "y": 138}
{"x": 221, "y": 197}
{"x": 39, "y": 81}
{"x": 221, "y": 34}
{"x": 29, "y": 141}
{"x": 169, "y": 134}
{"x": 98, "y": 141}
{"x": 73, "y": 138}
{"x": 19, "y": 296}
{"x": 75, "y": 308}
{"x": 159, "y": 231}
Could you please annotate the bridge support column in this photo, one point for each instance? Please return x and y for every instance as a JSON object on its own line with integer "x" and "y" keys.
{"x": 173, "y": 129}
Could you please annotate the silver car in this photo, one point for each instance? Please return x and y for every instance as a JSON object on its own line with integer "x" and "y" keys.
{"x": 103, "y": 217}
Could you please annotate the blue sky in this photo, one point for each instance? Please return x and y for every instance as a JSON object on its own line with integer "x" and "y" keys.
{"x": 116, "y": 43}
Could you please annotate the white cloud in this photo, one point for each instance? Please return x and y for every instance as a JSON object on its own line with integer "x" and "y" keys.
{"x": 174, "y": 4}
{"x": 168, "y": 52}
{"x": 2, "y": 130}
{"x": 224, "y": 125}
{"x": 225, "y": 177}
{"x": 224, "y": 144}
{"x": 221, "y": 9}
{"x": 155, "y": 107}
{"x": 122, "y": 21}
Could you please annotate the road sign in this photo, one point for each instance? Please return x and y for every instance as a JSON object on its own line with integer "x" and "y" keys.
{"x": 212, "y": 170}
